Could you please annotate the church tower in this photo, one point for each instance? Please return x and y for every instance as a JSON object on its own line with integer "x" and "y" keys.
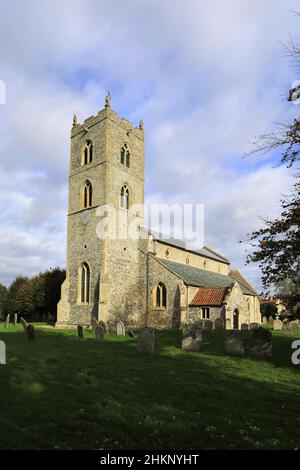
{"x": 105, "y": 273}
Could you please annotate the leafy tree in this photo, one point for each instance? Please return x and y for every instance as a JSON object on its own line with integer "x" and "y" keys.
{"x": 37, "y": 296}
{"x": 268, "y": 309}
{"x": 276, "y": 247}
{"x": 288, "y": 291}
{"x": 3, "y": 300}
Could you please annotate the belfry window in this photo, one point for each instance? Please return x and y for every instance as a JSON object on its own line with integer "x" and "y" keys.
{"x": 88, "y": 151}
{"x": 125, "y": 156}
{"x": 87, "y": 195}
{"x": 160, "y": 296}
{"x": 84, "y": 283}
{"x": 124, "y": 197}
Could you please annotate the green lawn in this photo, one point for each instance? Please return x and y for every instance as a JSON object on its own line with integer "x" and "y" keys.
{"x": 64, "y": 393}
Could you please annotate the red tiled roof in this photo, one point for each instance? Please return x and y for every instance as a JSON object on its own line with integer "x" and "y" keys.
{"x": 209, "y": 296}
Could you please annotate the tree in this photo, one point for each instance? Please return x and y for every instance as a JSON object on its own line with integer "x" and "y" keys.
{"x": 286, "y": 135}
{"x": 276, "y": 247}
{"x": 288, "y": 291}
{"x": 3, "y": 300}
{"x": 268, "y": 309}
{"x": 35, "y": 297}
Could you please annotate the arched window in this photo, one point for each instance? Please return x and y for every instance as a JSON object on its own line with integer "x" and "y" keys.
{"x": 84, "y": 283}
{"x": 124, "y": 197}
{"x": 87, "y": 195}
{"x": 88, "y": 150}
{"x": 161, "y": 295}
{"x": 125, "y": 156}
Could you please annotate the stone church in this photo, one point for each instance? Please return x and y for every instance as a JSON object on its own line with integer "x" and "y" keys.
{"x": 142, "y": 280}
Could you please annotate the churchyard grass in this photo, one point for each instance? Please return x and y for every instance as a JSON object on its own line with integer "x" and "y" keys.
{"x": 62, "y": 392}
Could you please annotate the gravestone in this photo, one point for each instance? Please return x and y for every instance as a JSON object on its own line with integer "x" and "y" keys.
{"x": 287, "y": 328}
{"x": 131, "y": 334}
{"x": 277, "y": 325}
{"x": 244, "y": 326}
{"x": 261, "y": 343}
{"x": 264, "y": 320}
{"x": 120, "y": 329}
{"x": 228, "y": 324}
{"x": 99, "y": 334}
{"x": 219, "y": 324}
{"x": 146, "y": 341}
{"x": 253, "y": 326}
{"x": 24, "y": 323}
{"x": 295, "y": 327}
{"x": 192, "y": 337}
{"x": 94, "y": 323}
{"x": 234, "y": 344}
{"x": 101, "y": 323}
{"x": 30, "y": 333}
{"x": 270, "y": 320}
{"x": 80, "y": 331}
{"x": 15, "y": 319}
{"x": 7, "y": 321}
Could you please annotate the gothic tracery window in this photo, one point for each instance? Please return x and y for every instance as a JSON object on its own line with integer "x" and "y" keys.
{"x": 88, "y": 151}
{"x": 87, "y": 195}
{"x": 125, "y": 156}
{"x": 124, "y": 197}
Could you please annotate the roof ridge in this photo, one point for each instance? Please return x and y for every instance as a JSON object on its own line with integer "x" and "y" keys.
{"x": 242, "y": 280}
{"x": 215, "y": 252}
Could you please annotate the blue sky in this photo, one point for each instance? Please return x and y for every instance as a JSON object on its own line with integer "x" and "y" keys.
{"x": 205, "y": 76}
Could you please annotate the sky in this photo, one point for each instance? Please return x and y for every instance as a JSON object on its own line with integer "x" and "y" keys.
{"x": 205, "y": 76}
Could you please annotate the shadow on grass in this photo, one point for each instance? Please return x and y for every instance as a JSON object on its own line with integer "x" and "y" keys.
{"x": 64, "y": 393}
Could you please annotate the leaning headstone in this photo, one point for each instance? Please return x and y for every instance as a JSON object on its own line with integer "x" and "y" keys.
{"x": 94, "y": 323}
{"x": 234, "y": 344}
{"x": 244, "y": 326}
{"x": 146, "y": 341}
{"x": 262, "y": 343}
{"x": 270, "y": 320}
{"x": 80, "y": 331}
{"x": 277, "y": 325}
{"x": 24, "y": 323}
{"x": 131, "y": 334}
{"x": 120, "y": 329}
{"x": 192, "y": 337}
{"x": 30, "y": 332}
{"x": 219, "y": 324}
{"x": 99, "y": 334}
{"x": 15, "y": 319}
{"x": 253, "y": 326}
{"x": 7, "y": 321}
{"x": 264, "y": 320}
{"x": 101, "y": 323}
